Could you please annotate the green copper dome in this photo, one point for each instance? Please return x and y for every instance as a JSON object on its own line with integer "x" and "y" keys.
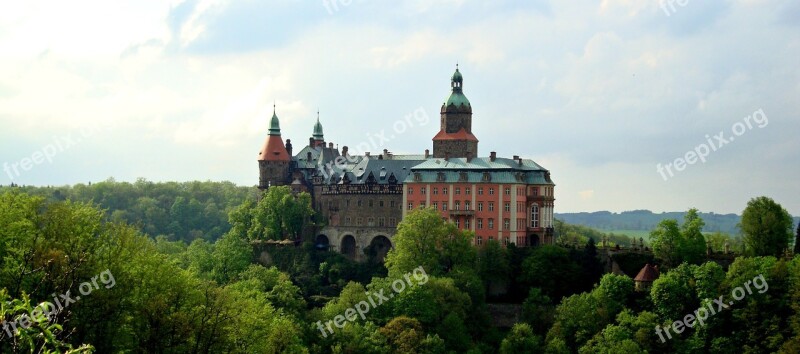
{"x": 274, "y": 124}
{"x": 457, "y": 95}
{"x": 318, "y": 130}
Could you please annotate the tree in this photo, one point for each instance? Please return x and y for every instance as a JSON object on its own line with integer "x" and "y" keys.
{"x": 674, "y": 245}
{"x": 424, "y": 239}
{"x": 521, "y": 340}
{"x": 797, "y": 241}
{"x": 767, "y": 227}
{"x": 278, "y": 215}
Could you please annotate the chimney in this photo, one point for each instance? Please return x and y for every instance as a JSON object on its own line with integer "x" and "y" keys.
{"x": 311, "y": 142}
{"x": 330, "y": 146}
{"x": 469, "y": 156}
{"x": 427, "y": 153}
{"x": 516, "y": 157}
{"x": 492, "y": 156}
{"x": 289, "y": 146}
{"x": 386, "y": 153}
{"x": 380, "y": 157}
{"x": 366, "y": 154}
{"x": 344, "y": 151}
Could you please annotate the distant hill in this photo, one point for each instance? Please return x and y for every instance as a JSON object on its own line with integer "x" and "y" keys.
{"x": 646, "y": 220}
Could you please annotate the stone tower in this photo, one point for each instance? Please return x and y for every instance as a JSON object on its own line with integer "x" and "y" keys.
{"x": 455, "y": 137}
{"x": 273, "y": 159}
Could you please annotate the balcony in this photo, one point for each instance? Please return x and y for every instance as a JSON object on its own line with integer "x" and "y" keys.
{"x": 454, "y": 212}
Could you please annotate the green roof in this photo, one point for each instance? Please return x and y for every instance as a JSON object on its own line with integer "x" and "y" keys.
{"x": 457, "y": 98}
{"x": 318, "y": 130}
{"x": 274, "y": 125}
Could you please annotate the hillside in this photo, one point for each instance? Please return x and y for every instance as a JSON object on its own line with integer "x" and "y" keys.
{"x": 646, "y": 220}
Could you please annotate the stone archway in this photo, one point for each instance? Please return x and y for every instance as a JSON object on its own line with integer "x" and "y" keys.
{"x": 322, "y": 242}
{"x": 378, "y": 247}
{"x": 348, "y": 246}
{"x": 534, "y": 240}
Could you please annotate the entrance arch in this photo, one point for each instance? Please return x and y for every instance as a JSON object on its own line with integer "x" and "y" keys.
{"x": 322, "y": 242}
{"x": 378, "y": 248}
{"x": 348, "y": 246}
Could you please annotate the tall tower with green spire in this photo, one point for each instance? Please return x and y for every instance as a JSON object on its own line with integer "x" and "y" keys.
{"x": 455, "y": 138}
{"x": 273, "y": 159}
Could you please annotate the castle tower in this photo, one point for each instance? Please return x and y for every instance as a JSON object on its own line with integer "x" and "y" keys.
{"x": 273, "y": 159}
{"x": 455, "y": 137}
{"x": 318, "y": 138}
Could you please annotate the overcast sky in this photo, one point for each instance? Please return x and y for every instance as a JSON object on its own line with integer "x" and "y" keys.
{"x": 600, "y": 93}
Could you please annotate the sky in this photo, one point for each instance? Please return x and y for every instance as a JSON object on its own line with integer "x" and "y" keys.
{"x": 601, "y": 93}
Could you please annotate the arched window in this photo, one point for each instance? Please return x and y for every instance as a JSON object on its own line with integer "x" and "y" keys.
{"x": 534, "y": 215}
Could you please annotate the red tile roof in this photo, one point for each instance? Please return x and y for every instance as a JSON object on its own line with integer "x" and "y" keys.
{"x": 459, "y": 135}
{"x": 273, "y": 150}
{"x": 647, "y": 274}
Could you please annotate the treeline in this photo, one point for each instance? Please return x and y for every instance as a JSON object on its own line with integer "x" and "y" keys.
{"x": 180, "y": 211}
{"x": 647, "y": 220}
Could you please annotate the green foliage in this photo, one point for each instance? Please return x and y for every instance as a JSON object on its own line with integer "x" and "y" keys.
{"x": 424, "y": 239}
{"x": 278, "y": 215}
{"x": 551, "y": 269}
{"x": 521, "y": 339}
{"x": 674, "y": 245}
{"x": 182, "y": 211}
{"x": 767, "y": 227}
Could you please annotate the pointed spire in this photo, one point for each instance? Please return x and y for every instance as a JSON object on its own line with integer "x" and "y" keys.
{"x": 274, "y": 124}
{"x": 318, "y": 129}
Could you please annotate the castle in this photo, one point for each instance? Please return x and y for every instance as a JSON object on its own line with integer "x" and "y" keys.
{"x": 362, "y": 198}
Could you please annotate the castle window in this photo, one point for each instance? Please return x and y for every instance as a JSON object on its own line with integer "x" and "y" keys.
{"x": 458, "y": 190}
{"x": 466, "y": 223}
{"x": 491, "y": 225}
{"x": 417, "y": 177}
{"x": 458, "y": 205}
{"x": 480, "y": 224}
{"x": 440, "y": 177}
{"x": 467, "y": 191}
{"x": 480, "y": 206}
{"x": 444, "y": 190}
{"x": 479, "y": 240}
{"x": 410, "y": 206}
{"x": 506, "y": 224}
{"x": 423, "y": 190}
{"x": 535, "y": 191}
{"x": 371, "y": 222}
{"x": 410, "y": 191}
{"x": 480, "y": 190}
{"x": 534, "y": 215}
{"x": 359, "y": 221}
{"x": 347, "y": 221}
{"x": 380, "y": 203}
{"x": 491, "y": 206}
{"x": 381, "y": 222}
{"x": 491, "y": 191}
{"x": 457, "y": 222}
{"x": 359, "y": 202}
{"x": 444, "y": 206}
{"x": 435, "y": 205}
{"x": 508, "y": 207}
{"x": 391, "y": 203}
{"x": 392, "y": 222}
{"x": 435, "y": 191}
{"x": 487, "y": 177}
{"x": 508, "y": 191}
{"x": 467, "y": 205}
